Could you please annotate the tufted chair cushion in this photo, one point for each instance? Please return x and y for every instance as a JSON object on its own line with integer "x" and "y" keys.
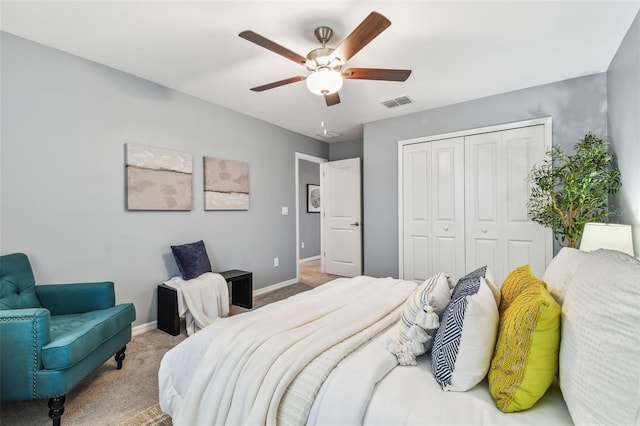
{"x": 76, "y": 336}
{"x": 17, "y": 284}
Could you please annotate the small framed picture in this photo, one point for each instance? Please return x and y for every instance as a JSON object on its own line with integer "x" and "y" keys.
{"x": 313, "y": 198}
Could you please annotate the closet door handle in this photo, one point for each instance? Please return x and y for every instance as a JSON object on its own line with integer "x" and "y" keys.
{"x": 484, "y": 230}
{"x": 355, "y": 224}
{"x": 446, "y": 228}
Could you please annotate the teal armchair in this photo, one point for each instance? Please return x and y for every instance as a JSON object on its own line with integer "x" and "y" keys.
{"x": 53, "y": 336}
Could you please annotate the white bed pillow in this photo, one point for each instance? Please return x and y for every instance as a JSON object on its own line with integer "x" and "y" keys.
{"x": 465, "y": 341}
{"x": 424, "y": 306}
{"x": 600, "y": 346}
{"x": 561, "y": 270}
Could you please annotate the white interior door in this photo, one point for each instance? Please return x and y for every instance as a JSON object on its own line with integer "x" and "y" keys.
{"x": 417, "y": 238}
{"x": 483, "y": 211}
{"x": 498, "y": 230}
{"x": 525, "y": 240}
{"x": 433, "y": 212}
{"x": 341, "y": 218}
{"x": 447, "y": 193}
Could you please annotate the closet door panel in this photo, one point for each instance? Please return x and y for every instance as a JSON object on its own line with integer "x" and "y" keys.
{"x": 483, "y": 202}
{"x": 486, "y": 251}
{"x": 416, "y": 258}
{"x": 447, "y": 169}
{"x": 417, "y": 208}
{"x": 519, "y": 253}
{"x": 445, "y": 257}
{"x": 525, "y": 241}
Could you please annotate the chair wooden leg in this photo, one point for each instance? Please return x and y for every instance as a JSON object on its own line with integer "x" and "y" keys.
{"x": 120, "y": 357}
{"x": 56, "y": 409}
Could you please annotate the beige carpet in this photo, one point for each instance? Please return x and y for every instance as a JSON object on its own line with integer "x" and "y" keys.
{"x": 309, "y": 273}
{"x": 107, "y": 396}
{"x": 128, "y": 396}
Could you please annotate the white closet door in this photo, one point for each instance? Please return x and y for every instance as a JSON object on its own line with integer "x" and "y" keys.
{"x": 498, "y": 230}
{"x": 483, "y": 209}
{"x": 525, "y": 240}
{"x": 447, "y": 194}
{"x": 418, "y": 257}
{"x": 433, "y": 198}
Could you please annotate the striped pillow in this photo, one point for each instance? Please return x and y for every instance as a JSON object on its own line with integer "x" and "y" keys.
{"x": 420, "y": 319}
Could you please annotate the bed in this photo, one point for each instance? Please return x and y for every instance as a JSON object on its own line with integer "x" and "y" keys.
{"x": 322, "y": 358}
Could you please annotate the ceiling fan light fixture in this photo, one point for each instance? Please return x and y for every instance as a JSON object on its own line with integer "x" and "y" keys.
{"x": 325, "y": 81}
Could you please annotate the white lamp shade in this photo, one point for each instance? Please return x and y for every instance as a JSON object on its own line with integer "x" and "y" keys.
{"x": 607, "y": 236}
{"x": 324, "y": 81}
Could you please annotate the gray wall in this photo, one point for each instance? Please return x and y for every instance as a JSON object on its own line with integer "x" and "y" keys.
{"x": 623, "y": 95}
{"x": 577, "y": 106}
{"x": 345, "y": 150}
{"x": 65, "y": 121}
{"x": 309, "y": 222}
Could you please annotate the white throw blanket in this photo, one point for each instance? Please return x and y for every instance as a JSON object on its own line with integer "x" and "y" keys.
{"x": 345, "y": 395}
{"x": 249, "y": 365}
{"x": 296, "y": 404}
{"x": 201, "y": 300}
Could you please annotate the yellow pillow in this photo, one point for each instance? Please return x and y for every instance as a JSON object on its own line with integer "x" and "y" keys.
{"x": 525, "y": 361}
{"x": 517, "y": 281}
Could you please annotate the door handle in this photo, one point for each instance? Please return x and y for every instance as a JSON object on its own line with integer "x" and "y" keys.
{"x": 355, "y": 224}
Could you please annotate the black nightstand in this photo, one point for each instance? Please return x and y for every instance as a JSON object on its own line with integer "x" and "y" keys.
{"x": 241, "y": 287}
{"x": 241, "y": 295}
{"x": 168, "y": 320}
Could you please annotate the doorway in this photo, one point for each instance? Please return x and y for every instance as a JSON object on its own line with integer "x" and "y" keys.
{"x": 324, "y": 230}
{"x": 308, "y": 234}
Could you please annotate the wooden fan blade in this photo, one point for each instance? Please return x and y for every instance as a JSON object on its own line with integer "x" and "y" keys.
{"x": 274, "y": 47}
{"x": 278, "y": 83}
{"x": 368, "y": 29}
{"x": 332, "y": 99}
{"x": 376, "y": 74}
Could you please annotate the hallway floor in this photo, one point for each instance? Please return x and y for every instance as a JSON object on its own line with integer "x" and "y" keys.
{"x": 310, "y": 274}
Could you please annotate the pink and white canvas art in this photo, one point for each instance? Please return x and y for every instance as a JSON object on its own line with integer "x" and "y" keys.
{"x": 226, "y": 184}
{"x": 158, "y": 178}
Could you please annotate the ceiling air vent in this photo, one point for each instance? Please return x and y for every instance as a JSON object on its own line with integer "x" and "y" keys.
{"x": 402, "y": 100}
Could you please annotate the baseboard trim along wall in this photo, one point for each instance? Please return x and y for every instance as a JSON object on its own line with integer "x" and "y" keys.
{"x": 143, "y": 328}
{"x": 272, "y": 287}
{"x": 310, "y": 259}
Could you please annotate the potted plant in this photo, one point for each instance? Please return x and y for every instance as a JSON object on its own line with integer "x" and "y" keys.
{"x": 571, "y": 190}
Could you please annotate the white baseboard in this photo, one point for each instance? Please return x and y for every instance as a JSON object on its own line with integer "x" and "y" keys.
{"x": 272, "y": 287}
{"x": 142, "y": 328}
{"x": 310, "y": 259}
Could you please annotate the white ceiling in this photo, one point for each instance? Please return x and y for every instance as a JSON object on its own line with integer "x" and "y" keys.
{"x": 457, "y": 50}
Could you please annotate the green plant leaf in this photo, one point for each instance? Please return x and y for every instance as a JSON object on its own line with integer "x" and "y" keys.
{"x": 568, "y": 191}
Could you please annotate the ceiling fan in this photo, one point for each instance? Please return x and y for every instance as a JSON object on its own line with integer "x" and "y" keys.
{"x": 325, "y": 63}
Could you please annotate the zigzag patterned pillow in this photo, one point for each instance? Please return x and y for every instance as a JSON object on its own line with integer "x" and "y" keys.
{"x": 464, "y": 343}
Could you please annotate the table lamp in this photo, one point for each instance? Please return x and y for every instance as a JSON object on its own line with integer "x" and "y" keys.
{"x": 607, "y": 236}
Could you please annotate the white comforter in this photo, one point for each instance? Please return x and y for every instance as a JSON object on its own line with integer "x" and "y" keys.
{"x": 366, "y": 388}
{"x": 247, "y": 364}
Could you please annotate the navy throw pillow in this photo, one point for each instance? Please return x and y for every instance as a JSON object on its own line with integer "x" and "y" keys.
{"x": 192, "y": 259}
